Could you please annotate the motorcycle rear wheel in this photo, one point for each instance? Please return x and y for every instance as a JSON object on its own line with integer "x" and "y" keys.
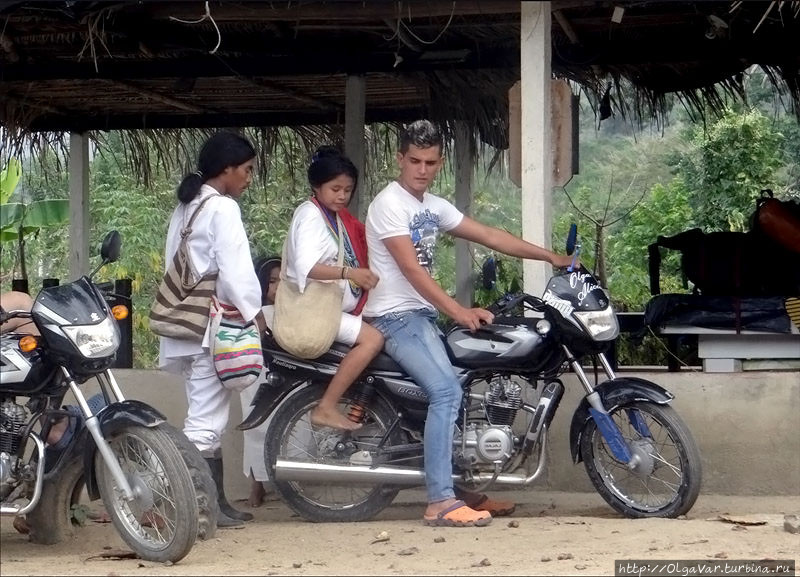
{"x": 161, "y": 523}
{"x": 291, "y": 436}
{"x": 668, "y": 483}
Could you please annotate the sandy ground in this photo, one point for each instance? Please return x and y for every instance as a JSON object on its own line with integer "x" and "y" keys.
{"x": 550, "y": 534}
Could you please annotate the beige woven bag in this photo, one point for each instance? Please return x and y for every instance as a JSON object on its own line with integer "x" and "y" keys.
{"x": 306, "y": 323}
{"x": 180, "y": 309}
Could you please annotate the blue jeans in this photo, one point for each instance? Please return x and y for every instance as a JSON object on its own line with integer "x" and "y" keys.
{"x": 414, "y": 341}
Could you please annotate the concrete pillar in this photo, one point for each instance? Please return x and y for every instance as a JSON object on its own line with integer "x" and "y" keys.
{"x": 79, "y": 225}
{"x": 535, "y": 73}
{"x": 465, "y": 160}
{"x": 354, "y": 118}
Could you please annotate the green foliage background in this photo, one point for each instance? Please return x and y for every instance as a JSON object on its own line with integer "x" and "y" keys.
{"x": 633, "y": 185}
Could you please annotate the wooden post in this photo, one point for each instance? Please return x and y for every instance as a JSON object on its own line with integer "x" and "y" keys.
{"x": 465, "y": 156}
{"x": 535, "y": 73}
{"x": 79, "y": 225}
{"x": 354, "y": 118}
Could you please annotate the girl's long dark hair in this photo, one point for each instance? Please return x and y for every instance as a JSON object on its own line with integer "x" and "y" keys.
{"x": 220, "y": 151}
{"x": 328, "y": 163}
{"x": 264, "y": 266}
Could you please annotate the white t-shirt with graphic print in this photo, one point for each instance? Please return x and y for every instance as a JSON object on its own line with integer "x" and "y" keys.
{"x": 396, "y": 212}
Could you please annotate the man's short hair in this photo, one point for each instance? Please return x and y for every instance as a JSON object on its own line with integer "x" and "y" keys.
{"x": 422, "y": 134}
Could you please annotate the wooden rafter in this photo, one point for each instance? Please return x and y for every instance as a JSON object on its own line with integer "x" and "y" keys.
{"x": 33, "y": 103}
{"x": 293, "y": 93}
{"x": 158, "y": 97}
{"x": 566, "y": 26}
{"x": 337, "y": 11}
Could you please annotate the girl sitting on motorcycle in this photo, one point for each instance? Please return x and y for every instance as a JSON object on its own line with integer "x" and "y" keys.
{"x": 312, "y": 249}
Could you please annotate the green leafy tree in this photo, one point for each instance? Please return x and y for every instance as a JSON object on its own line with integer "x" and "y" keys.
{"x": 27, "y": 216}
{"x": 728, "y": 166}
{"x": 665, "y": 212}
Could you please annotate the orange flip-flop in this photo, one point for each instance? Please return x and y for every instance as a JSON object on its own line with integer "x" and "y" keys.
{"x": 458, "y": 515}
{"x": 493, "y": 507}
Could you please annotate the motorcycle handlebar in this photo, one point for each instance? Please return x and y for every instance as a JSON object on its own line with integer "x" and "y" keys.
{"x": 509, "y": 302}
{"x": 107, "y": 289}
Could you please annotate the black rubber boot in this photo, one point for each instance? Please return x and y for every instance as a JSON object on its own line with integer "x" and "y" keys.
{"x": 225, "y": 509}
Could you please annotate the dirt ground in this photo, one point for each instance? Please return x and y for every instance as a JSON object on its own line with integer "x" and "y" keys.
{"x": 551, "y": 533}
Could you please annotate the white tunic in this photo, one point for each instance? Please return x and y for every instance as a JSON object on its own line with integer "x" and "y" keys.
{"x": 218, "y": 242}
{"x": 310, "y": 242}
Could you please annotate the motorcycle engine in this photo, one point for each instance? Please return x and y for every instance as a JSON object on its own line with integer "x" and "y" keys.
{"x": 485, "y": 445}
{"x": 492, "y": 442}
{"x": 502, "y": 400}
{"x": 12, "y": 420}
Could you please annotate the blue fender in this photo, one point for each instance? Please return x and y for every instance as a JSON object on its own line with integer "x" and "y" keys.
{"x": 111, "y": 419}
{"x": 613, "y": 394}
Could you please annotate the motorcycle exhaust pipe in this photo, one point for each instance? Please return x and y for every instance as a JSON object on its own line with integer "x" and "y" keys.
{"x": 287, "y": 470}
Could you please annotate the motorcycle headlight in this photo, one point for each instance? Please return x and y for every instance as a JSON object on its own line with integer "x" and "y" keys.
{"x": 602, "y": 325}
{"x": 95, "y": 341}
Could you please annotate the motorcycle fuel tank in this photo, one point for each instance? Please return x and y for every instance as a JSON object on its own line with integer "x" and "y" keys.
{"x": 494, "y": 345}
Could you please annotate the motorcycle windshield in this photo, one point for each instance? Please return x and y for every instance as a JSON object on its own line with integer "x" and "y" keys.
{"x": 77, "y": 303}
{"x": 575, "y": 291}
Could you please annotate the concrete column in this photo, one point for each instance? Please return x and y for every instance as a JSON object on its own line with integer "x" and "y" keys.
{"x": 465, "y": 160}
{"x": 354, "y": 118}
{"x": 79, "y": 225}
{"x": 535, "y": 72}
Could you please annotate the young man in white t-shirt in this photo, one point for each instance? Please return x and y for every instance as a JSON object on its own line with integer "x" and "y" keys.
{"x": 403, "y": 222}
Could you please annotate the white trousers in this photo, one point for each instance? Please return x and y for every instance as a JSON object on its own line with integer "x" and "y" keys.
{"x": 209, "y": 403}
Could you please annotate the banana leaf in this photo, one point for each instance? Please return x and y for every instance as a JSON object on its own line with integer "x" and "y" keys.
{"x": 9, "y": 177}
{"x": 31, "y": 217}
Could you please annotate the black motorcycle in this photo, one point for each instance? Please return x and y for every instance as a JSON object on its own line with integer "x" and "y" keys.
{"x": 150, "y": 478}
{"x": 638, "y": 453}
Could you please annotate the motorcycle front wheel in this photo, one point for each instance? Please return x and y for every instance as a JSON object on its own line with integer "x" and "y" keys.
{"x": 161, "y": 523}
{"x": 204, "y": 487}
{"x": 665, "y": 482}
{"x": 292, "y": 436}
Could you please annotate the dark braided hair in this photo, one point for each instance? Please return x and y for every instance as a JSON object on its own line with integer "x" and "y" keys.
{"x": 220, "y": 151}
{"x": 328, "y": 163}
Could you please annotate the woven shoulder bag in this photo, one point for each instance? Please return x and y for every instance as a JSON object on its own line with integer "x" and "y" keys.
{"x": 306, "y": 324}
{"x": 180, "y": 309}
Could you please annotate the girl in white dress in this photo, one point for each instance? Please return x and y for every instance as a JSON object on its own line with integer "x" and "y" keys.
{"x": 312, "y": 249}
{"x": 268, "y": 271}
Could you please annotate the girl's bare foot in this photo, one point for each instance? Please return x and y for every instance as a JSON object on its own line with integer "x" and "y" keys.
{"x": 257, "y": 493}
{"x": 332, "y": 418}
{"x": 21, "y": 525}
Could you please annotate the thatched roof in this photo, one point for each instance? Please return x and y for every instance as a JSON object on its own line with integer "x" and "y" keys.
{"x": 78, "y": 66}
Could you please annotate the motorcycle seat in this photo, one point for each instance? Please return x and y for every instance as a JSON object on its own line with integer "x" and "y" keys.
{"x": 382, "y": 362}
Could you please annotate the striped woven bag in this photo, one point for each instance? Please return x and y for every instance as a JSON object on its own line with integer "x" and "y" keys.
{"x": 236, "y": 347}
{"x": 180, "y": 309}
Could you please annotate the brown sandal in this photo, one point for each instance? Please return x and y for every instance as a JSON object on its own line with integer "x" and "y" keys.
{"x": 494, "y": 508}
{"x": 458, "y": 515}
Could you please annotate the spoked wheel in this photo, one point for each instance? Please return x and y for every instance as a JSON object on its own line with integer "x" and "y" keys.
{"x": 667, "y": 478}
{"x": 292, "y": 436}
{"x": 160, "y": 524}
